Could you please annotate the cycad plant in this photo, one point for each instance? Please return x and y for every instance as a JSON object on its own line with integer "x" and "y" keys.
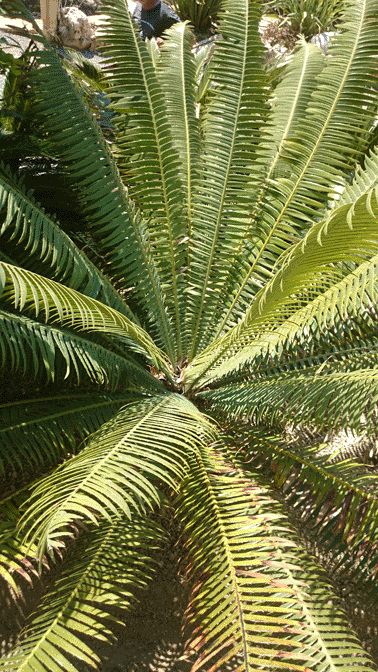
{"x": 202, "y": 14}
{"x": 225, "y": 288}
{"x": 308, "y": 17}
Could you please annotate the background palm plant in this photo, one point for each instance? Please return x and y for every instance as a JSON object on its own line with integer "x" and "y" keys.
{"x": 202, "y": 14}
{"x": 229, "y": 288}
{"x": 308, "y": 17}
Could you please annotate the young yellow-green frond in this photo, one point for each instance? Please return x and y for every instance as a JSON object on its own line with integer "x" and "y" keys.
{"x": 308, "y": 270}
{"x": 120, "y": 471}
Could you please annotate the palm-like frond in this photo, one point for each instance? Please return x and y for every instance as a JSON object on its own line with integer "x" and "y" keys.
{"x": 310, "y": 275}
{"x": 313, "y": 397}
{"x": 245, "y": 558}
{"x": 49, "y": 299}
{"x": 290, "y": 100}
{"x": 177, "y": 61}
{"x": 79, "y": 601}
{"x": 231, "y": 128}
{"x": 335, "y": 499}
{"x": 86, "y": 157}
{"x": 290, "y": 204}
{"x": 43, "y": 246}
{"x": 153, "y": 161}
{"x": 243, "y": 230}
{"x": 47, "y": 352}
{"x": 121, "y": 469}
{"x": 324, "y": 479}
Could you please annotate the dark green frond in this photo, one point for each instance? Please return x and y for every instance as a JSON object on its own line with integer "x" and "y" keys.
{"x": 48, "y": 299}
{"x": 38, "y": 240}
{"x": 42, "y": 431}
{"x": 102, "y": 572}
{"x": 76, "y": 139}
{"x": 52, "y": 354}
{"x": 149, "y": 157}
{"x": 317, "y": 480}
{"x": 332, "y": 400}
{"x": 319, "y": 156}
{"x": 177, "y": 76}
{"x": 290, "y": 100}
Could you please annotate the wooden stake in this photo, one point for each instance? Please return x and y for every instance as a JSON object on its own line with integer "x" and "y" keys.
{"x": 49, "y": 16}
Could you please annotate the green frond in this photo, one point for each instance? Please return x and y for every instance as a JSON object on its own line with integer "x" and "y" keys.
{"x": 258, "y": 599}
{"x": 120, "y": 470}
{"x": 177, "y": 76}
{"x": 320, "y": 155}
{"x": 37, "y": 432}
{"x": 315, "y": 396}
{"x": 312, "y": 275}
{"x": 289, "y": 103}
{"x": 52, "y": 354}
{"x": 76, "y": 140}
{"x": 102, "y": 572}
{"x": 343, "y": 91}
{"x": 148, "y": 156}
{"x": 290, "y": 100}
{"x": 52, "y": 301}
{"x": 335, "y": 499}
{"x": 37, "y": 239}
{"x": 352, "y": 297}
{"x": 231, "y": 128}
{"x": 364, "y": 180}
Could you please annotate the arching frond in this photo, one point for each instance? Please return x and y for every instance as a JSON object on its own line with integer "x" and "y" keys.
{"x": 351, "y": 297}
{"x": 43, "y": 246}
{"x": 107, "y": 565}
{"x": 277, "y": 609}
{"x": 44, "y": 297}
{"x": 310, "y": 273}
{"x": 76, "y": 139}
{"x": 324, "y": 480}
{"x": 334, "y": 498}
{"x": 231, "y": 128}
{"x": 326, "y": 399}
{"x": 152, "y": 160}
{"x": 120, "y": 470}
{"x": 320, "y": 155}
{"x": 55, "y": 354}
{"x": 290, "y": 101}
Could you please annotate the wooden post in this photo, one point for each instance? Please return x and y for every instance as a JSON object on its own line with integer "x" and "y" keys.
{"x": 49, "y": 16}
